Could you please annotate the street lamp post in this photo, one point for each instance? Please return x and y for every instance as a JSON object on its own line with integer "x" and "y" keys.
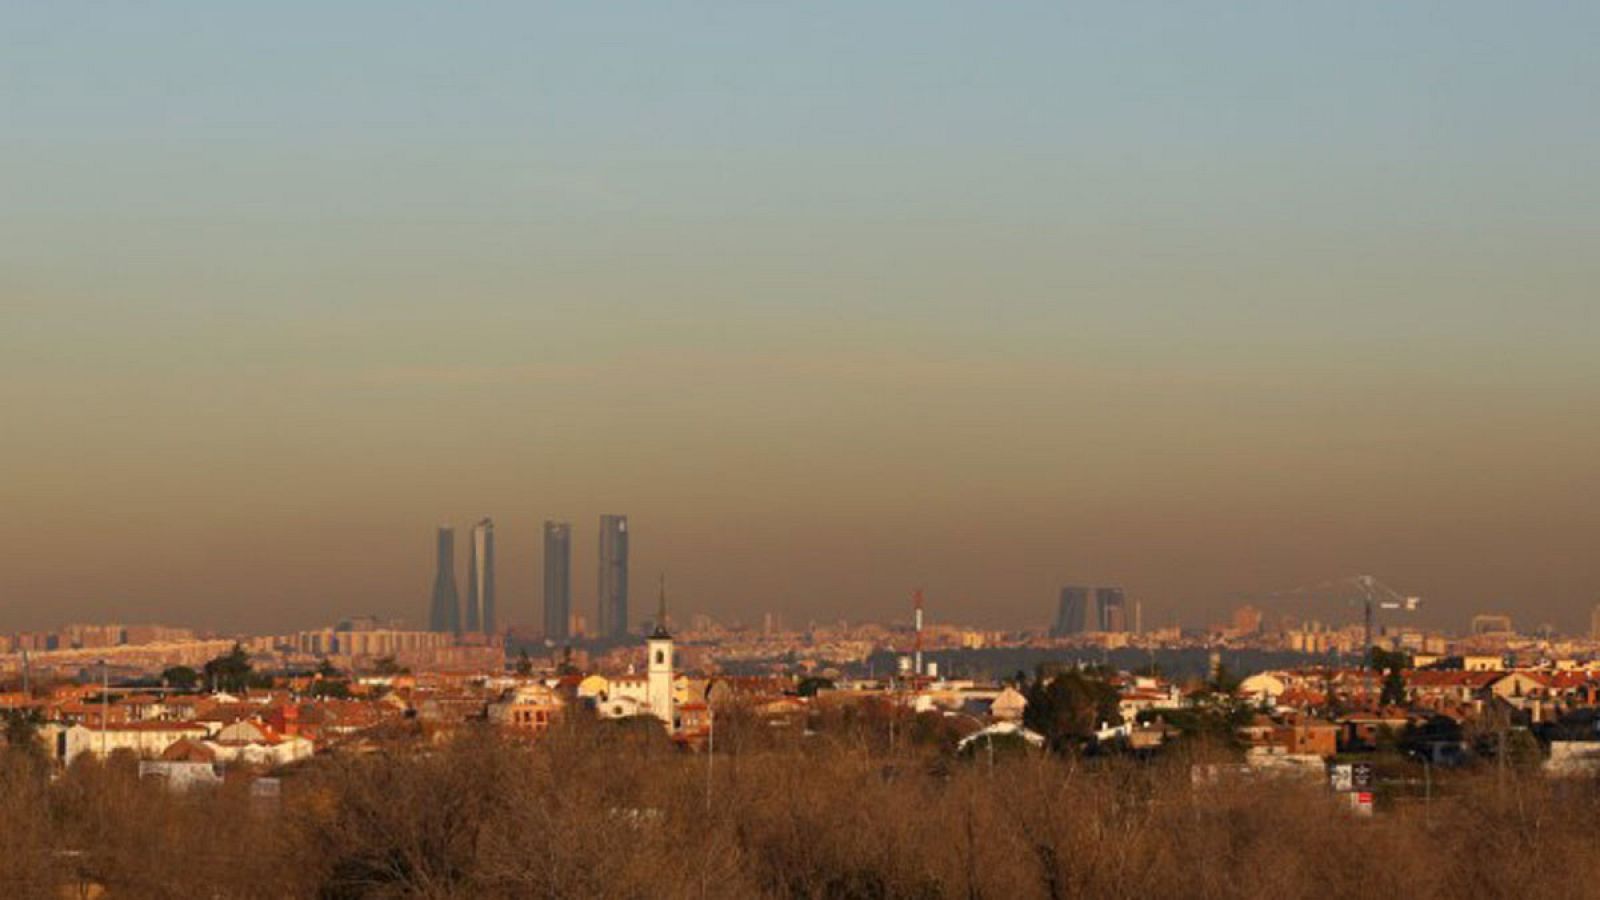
{"x": 105, "y": 705}
{"x": 711, "y": 739}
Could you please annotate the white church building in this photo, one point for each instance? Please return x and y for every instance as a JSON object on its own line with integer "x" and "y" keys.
{"x": 654, "y": 693}
{"x": 659, "y": 700}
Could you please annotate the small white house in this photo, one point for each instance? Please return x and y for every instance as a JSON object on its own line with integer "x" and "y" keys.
{"x": 255, "y": 744}
{"x": 146, "y": 740}
{"x": 619, "y": 707}
{"x": 1008, "y": 706}
{"x": 1262, "y": 689}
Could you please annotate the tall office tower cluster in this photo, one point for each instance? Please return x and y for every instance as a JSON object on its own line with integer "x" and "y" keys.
{"x": 612, "y": 579}
{"x": 1081, "y": 610}
{"x": 446, "y": 614}
{"x": 557, "y": 581}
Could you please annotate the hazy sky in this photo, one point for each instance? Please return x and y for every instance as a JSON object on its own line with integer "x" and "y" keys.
{"x": 833, "y": 299}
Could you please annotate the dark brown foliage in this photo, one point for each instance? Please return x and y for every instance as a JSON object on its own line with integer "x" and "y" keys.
{"x": 594, "y": 810}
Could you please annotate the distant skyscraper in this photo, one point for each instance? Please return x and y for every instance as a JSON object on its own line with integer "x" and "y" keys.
{"x": 1247, "y": 619}
{"x": 557, "y": 581}
{"x": 480, "y": 579}
{"x": 1072, "y": 615}
{"x": 1594, "y": 624}
{"x": 613, "y": 580}
{"x": 445, "y": 613}
{"x": 1491, "y": 623}
{"x": 1113, "y": 607}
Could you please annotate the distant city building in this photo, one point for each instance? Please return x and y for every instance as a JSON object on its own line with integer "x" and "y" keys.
{"x": 86, "y": 636}
{"x": 1594, "y": 624}
{"x": 445, "y": 613}
{"x": 1491, "y": 623}
{"x": 1072, "y": 613}
{"x": 557, "y": 581}
{"x": 1247, "y": 619}
{"x": 612, "y": 614}
{"x": 480, "y": 579}
{"x": 1113, "y": 607}
{"x": 363, "y": 623}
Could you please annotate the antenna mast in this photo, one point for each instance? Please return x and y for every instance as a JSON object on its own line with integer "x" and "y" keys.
{"x": 916, "y": 654}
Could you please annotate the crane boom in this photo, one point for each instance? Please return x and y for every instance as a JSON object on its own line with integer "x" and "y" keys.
{"x": 1372, "y": 594}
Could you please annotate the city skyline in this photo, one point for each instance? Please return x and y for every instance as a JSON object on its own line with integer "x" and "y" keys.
{"x": 833, "y": 300}
{"x": 1083, "y": 440}
{"x": 530, "y": 607}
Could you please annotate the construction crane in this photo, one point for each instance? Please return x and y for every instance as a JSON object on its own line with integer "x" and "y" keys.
{"x": 1372, "y": 594}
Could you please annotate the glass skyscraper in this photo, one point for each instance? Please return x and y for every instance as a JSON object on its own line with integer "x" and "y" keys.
{"x": 1113, "y": 607}
{"x": 557, "y": 581}
{"x": 1072, "y": 615}
{"x": 613, "y": 577}
{"x": 480, "y": 579}
{"x": 445, "y": 612}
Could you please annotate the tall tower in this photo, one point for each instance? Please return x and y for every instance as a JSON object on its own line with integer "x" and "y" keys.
{"x": 613, "y": 577}
{"x": 916, "y": 598}
{"x": 1113, "y": 606}
{"x": 658, "y": 688}
{"x": 557, "y": 581}
{"x": 445, "y": 613}
{"x": 1072, "y": 616}
{"x": 480, "y": 579}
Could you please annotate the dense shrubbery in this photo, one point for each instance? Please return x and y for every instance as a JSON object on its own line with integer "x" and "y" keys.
{"x": 598, "y": 811}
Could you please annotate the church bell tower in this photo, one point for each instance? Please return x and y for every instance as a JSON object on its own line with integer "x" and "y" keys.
{"x": 659, "y": 667}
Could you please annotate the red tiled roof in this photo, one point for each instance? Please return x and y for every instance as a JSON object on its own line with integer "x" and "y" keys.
{"x": 1451, "y": 678}
{"x": 155, "y": 726}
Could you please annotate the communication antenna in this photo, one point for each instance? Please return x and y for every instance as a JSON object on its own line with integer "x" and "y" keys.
{"x": 916, "y": 653}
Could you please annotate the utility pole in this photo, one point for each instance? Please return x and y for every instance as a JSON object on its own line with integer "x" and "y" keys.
{"x": 1500, "y": 754}
{"x": 1366, "y": 657}
{"x": 1427, "y": 791}
{"x": 711, "y": 744}
{"x": 105, "y": 705}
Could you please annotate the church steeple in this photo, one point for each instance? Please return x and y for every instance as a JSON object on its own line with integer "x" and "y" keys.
{"x": 659, "y": 687}
{"x": 661, "y": 633}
